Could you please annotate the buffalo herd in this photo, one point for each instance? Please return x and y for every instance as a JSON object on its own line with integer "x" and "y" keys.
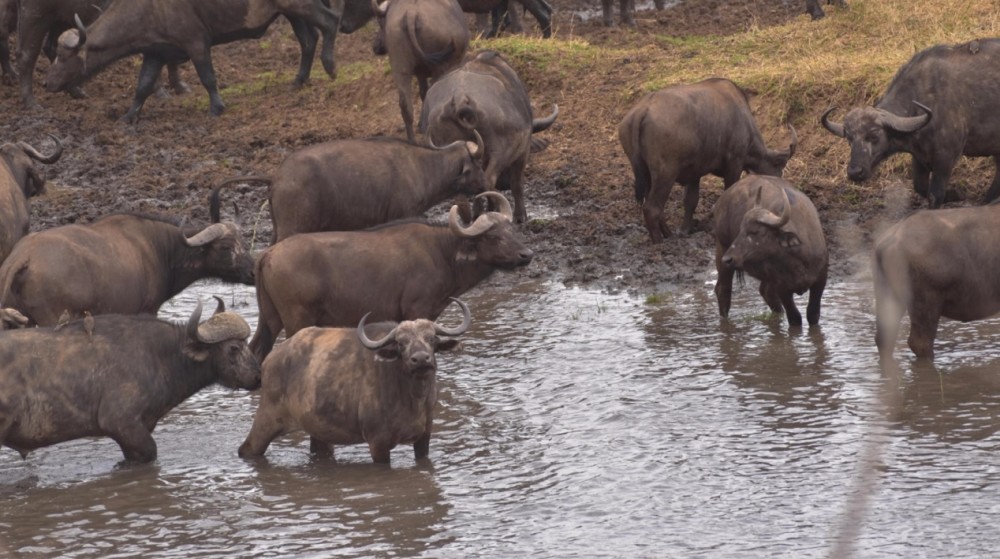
{"x": 356, "y": 279}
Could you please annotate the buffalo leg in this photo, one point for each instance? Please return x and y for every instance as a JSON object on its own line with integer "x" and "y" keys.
{"x": 422, "y": 448}
{"x": 925, "y": 313}
{"x": 690, "y": 204}
{"x": 265, "y": 428}
{"x": 320, "y": 448}
{"x": 29, "y": 44}
{"x": 656, "y": 200}
{"x": 405, "y": 89}
{"x": 9, "y": 76}
{"x": 626, "y": 10}
{"x": 422, "y": 86}
{"x": 771, "y": 297}
{"x": 542, "y": 16}
{"x": 516, "y": 180}
{"x": 940, "y": 176}
{"x": 380, "y": 451}
{"x": 815, "y": 296}
{"x": 724, "y": 283}
{"x": 308, "y": 39}
{"x": 206, "y": 73}
{"x": 994, "y": 190}
{"x": 149, "y": 73}
{"x": 921, "y": 178}
{"x": 607, "y": 7}
{"x": 175, "y": 81}
{"x": 791, "y": 311}
{"x": 136, "y": 442}
{"x": 889, "y": 310}
{"x": 328, "y": 21}
{"x": 814, "y": 9}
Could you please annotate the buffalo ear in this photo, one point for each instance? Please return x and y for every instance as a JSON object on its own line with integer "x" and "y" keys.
{"x": 196, "y": 351}
{"x": 789, "y": 239}
{"x": 448, "y": 344}
{"x": 388, "y": 353}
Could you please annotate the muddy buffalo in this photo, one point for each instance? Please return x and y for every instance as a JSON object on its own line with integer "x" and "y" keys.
{"x": 347, "y": 185}
{"x": 116, "y": 380}
{"x": 684, "y": 132}
{"x": 181, "y": 30}
{"x": 485, "y": 95}
{"x": 398, "y": 271}
{"x": 936, "y": 264}
{"x": 121, "y": 264}
{"x": 770, "y": 230}
{"x": 424, "y": 39}
{"x": 371, "y": 384}
{"x": 940, "y": 106}
{"x": 814, "y": 9}
{"x": 19, "y": 180}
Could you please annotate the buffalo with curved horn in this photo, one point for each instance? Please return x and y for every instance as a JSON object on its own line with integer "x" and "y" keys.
{"x": 402, "y": 270}
{"x": 346, "y": 185}
{"x": 121, "y": 264}
{"x": 958, "y": 118}
{"x": 19, "y": 181}
{"x": 343, "y": 387}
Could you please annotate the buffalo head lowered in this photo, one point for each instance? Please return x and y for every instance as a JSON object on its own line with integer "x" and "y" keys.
{"x": 70, "y": 65}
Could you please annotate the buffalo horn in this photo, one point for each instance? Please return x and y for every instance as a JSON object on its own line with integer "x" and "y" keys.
{"x": 207, "y": 235}
{"x": 540, "y": 124}
{"x": 430, "y": 142}
{"x": 794, "y": 143}
{"x": 37, "y": 156}
{"x": 81, "y": 29}
{"x": 380, "y": 9}
{"x": 907, "y": 123}
{"x": 503, "y": 206}
{"x": 374, "y": 344}
{"x": 461, "y": 328}
{"x": 835, "y": 128}
{"x": 768, "y": 218}
{"x": 484, "y": 222}
{"x": 480, "y": 147}
{"x": 223, "y": 326}
{"x": 192, "y": 325}
{"x": 221, "y": 307}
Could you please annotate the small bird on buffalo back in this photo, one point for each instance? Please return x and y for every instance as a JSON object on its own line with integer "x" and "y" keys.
{"x": 88, "y": 324}
{"x": 63, "y": 319}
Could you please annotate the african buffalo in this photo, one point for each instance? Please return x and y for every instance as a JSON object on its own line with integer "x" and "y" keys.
{"x": 933, "y": 264}
{"x": 174, "y": 31}
{"x": 342, "y": 387}
{"x": 121, "y": 264}
{"x": 770, "y": 230}
{"x": 117, "y": 380}
{"x": 684, "y": 132}
{"x": 398, "y": 271}
{"x": 485, "y": 95}
{"x": 424, "y": 39}
{"x": 940, "y": 106}
{"x": 346, "y": 185}
{"x": 39, "y": 24}
{"x": 19, "y": 180}
{"x": 816, "y": 11}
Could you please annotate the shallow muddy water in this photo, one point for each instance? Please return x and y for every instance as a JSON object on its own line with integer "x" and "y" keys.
{"x": 574, "y": 424}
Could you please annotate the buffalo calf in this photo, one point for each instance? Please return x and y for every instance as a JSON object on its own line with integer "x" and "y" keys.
{"x": 770, "y": 230}
{"x": 342, "y": 387}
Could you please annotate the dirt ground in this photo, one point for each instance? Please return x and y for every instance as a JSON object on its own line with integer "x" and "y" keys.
{"x": 584, "y": 224}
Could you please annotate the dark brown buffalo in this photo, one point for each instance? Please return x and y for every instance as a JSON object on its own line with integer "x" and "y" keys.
{"x": 39, "y": 24}
{"x": 19, "y": 180}
{"x": 117, "y": 380}
{"x": 770, "y": 230}
{"x": 342, "y": 387}
{"x": 814, "y": 9}
{"x": 173, "y": 31}
{"x": 121, "y": 264}
{"x": 936, "y": 264}
{"x": 424, "y": 39}
{"x": 485, "y": 95}
{"x": 347, "y": 185}
{"x": 684, "y": 132}
{"x": 940, "y": 106}
{"x": 399, "y": 271}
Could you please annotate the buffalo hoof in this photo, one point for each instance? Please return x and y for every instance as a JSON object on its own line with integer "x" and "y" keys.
{"x": 131, "y": 118}
{"x": 330, "y": 65}
{"x": 77, "y": 93}
{"x": 180, "y": 88}
{"x": 216, "y": 110}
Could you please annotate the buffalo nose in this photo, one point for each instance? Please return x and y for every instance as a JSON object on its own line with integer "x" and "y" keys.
{"x": 420, "y": 359}
{"x": 526, "y": 255}
{"x": 727, "y": 260}
{"x": 856, "y": 174}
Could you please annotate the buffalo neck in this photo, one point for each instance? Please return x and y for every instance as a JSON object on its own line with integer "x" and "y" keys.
{"x": 184, "y": 375}
{"x": 441, "y": 168}
{"x": 185, "y": 264}
{"x": 461, "y": 263}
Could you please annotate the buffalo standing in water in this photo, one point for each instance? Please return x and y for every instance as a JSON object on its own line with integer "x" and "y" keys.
{"x": 770, "y": 230}
{"x": 342, "y": 387}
